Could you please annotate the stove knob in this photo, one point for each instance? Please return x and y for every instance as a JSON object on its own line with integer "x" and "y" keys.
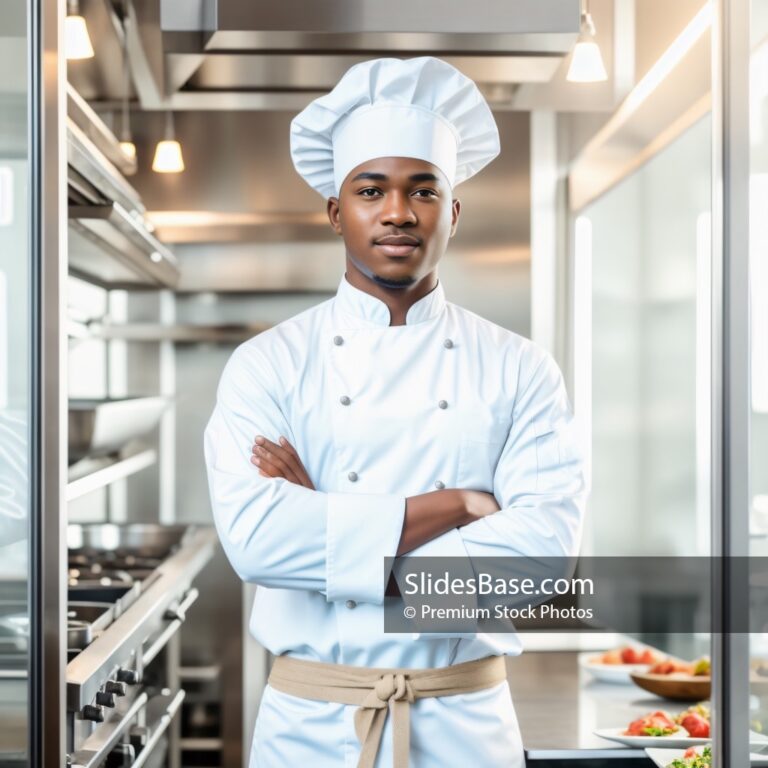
{"x": 91, "y": 712}
{"x": 117, "y": 688}
{"x": 128, "y": 676}
{"x": 122, "y": 756}
{"x": 105, "y": 699}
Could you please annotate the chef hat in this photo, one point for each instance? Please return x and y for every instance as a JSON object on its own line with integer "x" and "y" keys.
{"x": 422, "y": 107}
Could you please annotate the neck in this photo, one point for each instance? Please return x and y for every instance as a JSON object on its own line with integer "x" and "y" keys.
{"x": 398, "y": 300}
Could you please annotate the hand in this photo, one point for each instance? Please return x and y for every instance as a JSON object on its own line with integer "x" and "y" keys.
{"x": 477, "y": 504}
{"x": 282, "y": 460}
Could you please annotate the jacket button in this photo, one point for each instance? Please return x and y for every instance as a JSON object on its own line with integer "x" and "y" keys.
{"x": 338, "y": 340}
{"x": 442, "y": 404}
{"x": 448, "y": 344}
{"x": 344, "y": 400}
{"x": 351, "y": 604}
{"x": 439, "y": 484}
{"x": 352, "y": 477}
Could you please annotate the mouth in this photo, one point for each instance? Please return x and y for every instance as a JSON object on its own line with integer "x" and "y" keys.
{"x": 397, "y": 246}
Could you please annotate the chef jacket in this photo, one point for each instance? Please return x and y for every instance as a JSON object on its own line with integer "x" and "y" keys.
{"x": 379, "y": 413}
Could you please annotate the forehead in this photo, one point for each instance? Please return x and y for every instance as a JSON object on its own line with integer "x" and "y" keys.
{"x": 397, "y": 168}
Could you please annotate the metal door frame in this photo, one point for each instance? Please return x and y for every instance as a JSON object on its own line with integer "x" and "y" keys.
{"x": 48, "y": 428}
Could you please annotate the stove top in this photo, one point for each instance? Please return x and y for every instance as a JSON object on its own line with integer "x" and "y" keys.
{"x": 103, "y": 584}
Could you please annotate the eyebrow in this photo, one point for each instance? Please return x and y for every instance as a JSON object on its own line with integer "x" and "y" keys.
{"x": 383, "y": 177}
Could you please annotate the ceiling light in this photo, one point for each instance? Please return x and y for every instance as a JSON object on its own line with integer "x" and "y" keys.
{"x": 129, "y": 149}
{"x": 168, "y": 157}
{"x": 77, "y": 40}
{"x": 587, "y": 61}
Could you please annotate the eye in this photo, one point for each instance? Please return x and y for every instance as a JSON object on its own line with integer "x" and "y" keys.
{"x": 429, "y": 193}
{"x": 364, "y": 192}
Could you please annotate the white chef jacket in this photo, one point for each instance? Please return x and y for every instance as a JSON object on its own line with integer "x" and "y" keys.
{"x": 379, "y": 413}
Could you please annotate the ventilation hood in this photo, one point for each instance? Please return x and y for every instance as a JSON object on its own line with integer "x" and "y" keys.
{"x": 234, "y": 55}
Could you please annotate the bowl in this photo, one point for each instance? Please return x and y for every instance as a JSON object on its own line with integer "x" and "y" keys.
{"x": 675, "y": 686}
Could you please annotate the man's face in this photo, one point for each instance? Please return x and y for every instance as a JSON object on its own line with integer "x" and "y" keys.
{"x": 396, "y": 215}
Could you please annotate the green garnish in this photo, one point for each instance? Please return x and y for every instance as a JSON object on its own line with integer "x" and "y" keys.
{"x": 651, "y": 730}
{"x": 704, "y": 760}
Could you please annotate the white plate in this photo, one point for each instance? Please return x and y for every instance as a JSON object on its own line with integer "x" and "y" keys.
{"x": 663, "y": 757}
{"x": 610, "y": 673}
{"x": 679, "y": 739}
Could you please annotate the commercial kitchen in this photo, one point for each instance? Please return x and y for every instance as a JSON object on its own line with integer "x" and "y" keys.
{"x": 151, "y": 221}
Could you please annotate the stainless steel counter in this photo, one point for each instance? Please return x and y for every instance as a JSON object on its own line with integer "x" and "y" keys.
{"x": 559, "y": 706}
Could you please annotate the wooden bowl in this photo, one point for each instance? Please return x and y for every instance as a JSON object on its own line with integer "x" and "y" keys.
{"x": 675, "y": 686}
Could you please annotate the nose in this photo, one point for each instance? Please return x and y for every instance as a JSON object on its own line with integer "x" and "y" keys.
{"x": 397, "y": 210}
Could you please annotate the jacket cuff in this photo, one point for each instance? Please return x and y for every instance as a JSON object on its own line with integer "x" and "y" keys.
{"x": 362, "y": 530}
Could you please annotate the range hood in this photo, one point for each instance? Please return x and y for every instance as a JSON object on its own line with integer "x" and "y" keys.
{"x": 234, "y": 55}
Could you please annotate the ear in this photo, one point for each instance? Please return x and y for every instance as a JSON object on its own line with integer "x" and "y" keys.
{"x": 334, "y": 214}
{"x": 455, "y": 211}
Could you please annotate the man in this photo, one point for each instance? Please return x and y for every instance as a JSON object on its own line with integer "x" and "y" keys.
{"x": 389, "y": 422}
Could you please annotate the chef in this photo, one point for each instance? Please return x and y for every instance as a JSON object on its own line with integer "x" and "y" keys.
{"x": 387, "y": 422}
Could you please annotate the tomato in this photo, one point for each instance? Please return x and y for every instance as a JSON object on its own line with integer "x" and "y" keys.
{"x": 696, "y": 726}
{"x": 690, "y": 752}
{"x": 654, "y": 721}
{"x": 647, "y": 657}
{"x": 629, "y": 656}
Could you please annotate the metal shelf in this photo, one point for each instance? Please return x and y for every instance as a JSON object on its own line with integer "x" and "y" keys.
{"x": 107, "y": 473}
{"x": 113, "y": 248}
{"x": 180, "y": 334}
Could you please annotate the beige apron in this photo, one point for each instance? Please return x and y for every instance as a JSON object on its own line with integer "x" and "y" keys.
{"x": 371, "y": 689}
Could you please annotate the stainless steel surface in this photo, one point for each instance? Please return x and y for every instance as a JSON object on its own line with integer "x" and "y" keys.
{"x": 177, "y": 616}
{"x": 178, "y": 65}
{"x": 97, "y": 427}
{"x": 181, "y": 334}
{"x": 649, "y": 119}
{"x": 159, "y": 723}
{"x": 139, "y": 540}
{"x": 126, "y": 253}
{"x": 97, "y": 131}
{"x": 89, "y": 475}
{"x": 93, "y": 175}
{"x": 559, "y": 706}
{"x": 48, "y": 509}
{"x": 96, "y": 748}
{"x": 126, "y": 636}
{"x": 731, "y": 401}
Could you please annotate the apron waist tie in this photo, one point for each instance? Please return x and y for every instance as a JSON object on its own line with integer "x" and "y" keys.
{"x": 372, "y": 689}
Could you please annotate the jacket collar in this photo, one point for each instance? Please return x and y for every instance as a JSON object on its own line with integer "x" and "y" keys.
{"x": 372, "y": 311}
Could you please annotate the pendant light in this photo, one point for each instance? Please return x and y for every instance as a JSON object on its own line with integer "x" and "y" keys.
{"x": 168, "y": 158}
{"x": 126, "y": 141}
{"x": 587, "y": 61}
{"x": 77, "y": 41}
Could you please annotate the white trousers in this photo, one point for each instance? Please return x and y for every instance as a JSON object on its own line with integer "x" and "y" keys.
{"x": 478, "y": 729}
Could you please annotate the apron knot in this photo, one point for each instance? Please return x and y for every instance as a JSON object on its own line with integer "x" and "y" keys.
{"x": 393, "y": 687}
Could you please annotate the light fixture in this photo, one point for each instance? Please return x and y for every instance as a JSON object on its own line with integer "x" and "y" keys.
{"x": 168, "y": 158}
{"x": 587, "y": 61}
{"x": 129, "y": 149}
{"x": 77, "y": 40}
{"x": 126, "y": 140}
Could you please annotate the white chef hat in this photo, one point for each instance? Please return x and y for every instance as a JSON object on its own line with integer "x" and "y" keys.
{"x": 422, "y": 107}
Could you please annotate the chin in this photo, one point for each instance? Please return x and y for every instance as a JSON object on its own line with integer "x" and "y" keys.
{"x": 394, "y": 281}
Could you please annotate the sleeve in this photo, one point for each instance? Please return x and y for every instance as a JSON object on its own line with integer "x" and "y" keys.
{"x": 277, "y": 533}
{"x": 538, "y": 482}
{"x": 539, "y": 479}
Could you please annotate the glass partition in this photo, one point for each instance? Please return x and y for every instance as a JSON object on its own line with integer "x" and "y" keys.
{"x": 650, "y": 335}
{"x": 15, "y": 334}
